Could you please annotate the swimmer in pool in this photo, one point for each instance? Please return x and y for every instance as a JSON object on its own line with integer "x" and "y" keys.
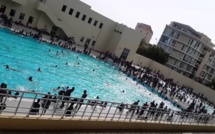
{"x": 93, "y": 70}
{"x": 66, "y": 63}
{"x": 123, "y": 91}
{"x": 7, "y": 67}
{"x": 107, "y": 84}
{"x": 30, "y": 79}
{"x": 56, "y": 66}
{"x": 39, "y": 70}
{"x": 56, "y": 89}
{"x": 49, "y": 50}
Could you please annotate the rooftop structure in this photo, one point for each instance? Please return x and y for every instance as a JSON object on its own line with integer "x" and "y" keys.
{"x": 145, "y": 30}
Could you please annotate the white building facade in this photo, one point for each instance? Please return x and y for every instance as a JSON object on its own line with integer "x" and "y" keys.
{"x": 191, "y": 53}
{"x": 73, "y": 18}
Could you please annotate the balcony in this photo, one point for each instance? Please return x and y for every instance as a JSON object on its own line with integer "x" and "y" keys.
{"x": 20, "y": 2}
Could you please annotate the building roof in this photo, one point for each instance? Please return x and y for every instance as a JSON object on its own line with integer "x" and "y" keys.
{"x": 196, "y": 33}
{"x": 142, "y": 25}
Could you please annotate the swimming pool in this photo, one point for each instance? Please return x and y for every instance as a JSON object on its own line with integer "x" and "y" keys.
{"x": 27, "y": 55}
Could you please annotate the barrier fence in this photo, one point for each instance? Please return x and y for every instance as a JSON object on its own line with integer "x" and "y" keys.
{"x": 32, "y": 104}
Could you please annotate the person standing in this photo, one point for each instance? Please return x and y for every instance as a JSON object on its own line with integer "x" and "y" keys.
{"x": 81, "y": 101}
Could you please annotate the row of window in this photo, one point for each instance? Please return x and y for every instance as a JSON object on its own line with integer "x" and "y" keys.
{"x": 77, "y": 15}
{"x": 21, "y": 16}
{"x": 117, "y": 31}
{"x": 87, "y": 41}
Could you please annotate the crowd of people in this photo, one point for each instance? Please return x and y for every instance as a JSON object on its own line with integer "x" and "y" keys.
{"x": 166, "y": 88}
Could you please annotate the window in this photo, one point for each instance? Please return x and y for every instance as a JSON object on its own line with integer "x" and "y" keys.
{"x": 101, "y": 25}
{"x": 94, "y": 42}
{"x": 82, "y": 39}
{"x": 90, "y": 20}
{"x": 77, "y": 15}
{"x": 95, "y": 23}
{"x": 88, "y": 40}
{"x": 30, "y": 19}
{"x": 125, "y": 53}
{"x": 71, "y": 11}
{"x": 64, "y": 8}
{"x": 21, "y": 16}
{"x": 12, "y": 12}
{"x": 2, "y": 9}
{"x": 84, "y": 17}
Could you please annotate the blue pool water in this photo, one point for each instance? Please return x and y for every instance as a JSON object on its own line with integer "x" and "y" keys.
{"x": 27, "y": 55}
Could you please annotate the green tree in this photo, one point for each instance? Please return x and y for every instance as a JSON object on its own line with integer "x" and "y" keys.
{"x": 155, "y": 53}
{"x": 211, "y": 84}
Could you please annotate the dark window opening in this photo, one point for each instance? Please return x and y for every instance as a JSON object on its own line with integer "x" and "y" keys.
{"x": 12, "y": 12}
{"x": 101, "y": 25}
{"x": 93, "y": 43}
{"x": 82, "y": 39}
{"x": 64, "y": 8}
{"x": 71, "y": 11}
{"x": 90, "y": 20}
{"x": 31, "y": 19}
{"x": 54, "y": 30}
{"x": 84, "y": 17}
{"x": 77, "y": 14}
{"x": 125, "y": 53}
{"x": 95, "y": 23}
{"x": 2, "y": 9}
{"x": 88, "y": 40}
{"x": 21, "y": 16}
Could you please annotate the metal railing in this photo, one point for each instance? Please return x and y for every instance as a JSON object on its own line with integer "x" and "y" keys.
{"x": 31, "y": 104}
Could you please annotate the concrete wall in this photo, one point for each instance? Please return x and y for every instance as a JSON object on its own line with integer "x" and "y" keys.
{"x": 82, "y": 28}
{"x": 95, "y": 125}
{"x": 177, "y": 77}
{"x": 130, "y": 39}
{"x": 28, "y": 10}
{"x": 45, "y": 21}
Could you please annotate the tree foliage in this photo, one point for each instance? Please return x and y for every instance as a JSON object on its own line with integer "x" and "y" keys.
{"x": 155, "y": 53}
{"x": 211, "y": 84}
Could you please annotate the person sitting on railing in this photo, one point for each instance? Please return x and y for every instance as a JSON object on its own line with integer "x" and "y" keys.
{"x": 121, "y": 107}
{"x": 67, "y": 95}
{"x": 169, "y": 118}
{"x": 70, "y": 108}
{"x": 103, "y": 104}
{"x": 16, "y": 95}
{"x": 54, "y": 101}
{"x": 133, "y": 107}
{"x": 143, "y": 108}
{"x": 35, "y": 108}
{"x": 94, "y": 103}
